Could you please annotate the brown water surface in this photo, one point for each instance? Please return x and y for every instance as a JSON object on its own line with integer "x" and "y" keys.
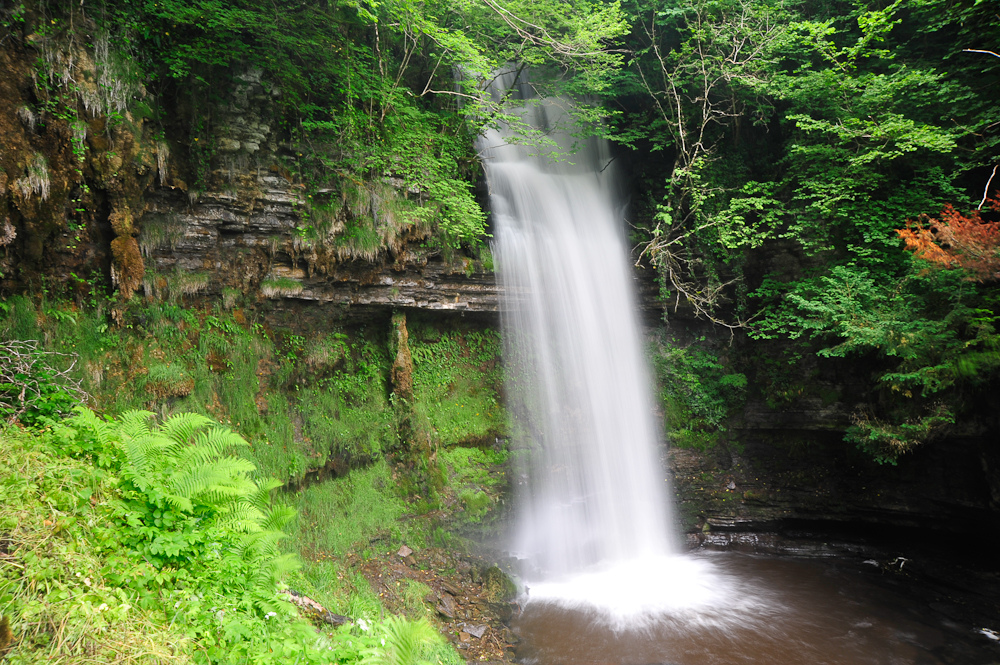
{"x": 773, "y": 611}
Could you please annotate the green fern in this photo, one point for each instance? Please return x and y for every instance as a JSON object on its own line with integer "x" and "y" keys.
{"x": 405, "y": 643}
{"x": 103, "y": 431}
{"x": 184, "y": 466}
{"x": 193, "y": 510}
{"x": 133, "y": 424}
{"x": 181, "y": 427}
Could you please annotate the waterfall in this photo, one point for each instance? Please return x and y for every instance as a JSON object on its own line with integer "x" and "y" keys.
{"x": 593, "y": 495}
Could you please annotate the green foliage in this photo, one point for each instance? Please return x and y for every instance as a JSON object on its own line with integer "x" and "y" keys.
{"x": 829, "y": 128}
{"x": 698, "y": 392}
{"x": 337, "y": 515}
{"x": 476, "y": 477}
{"x": 932, "y": 332}
{"x": 127, "y": 539}
{"x": 183, "y": 546}
{"x": 368, "y": 91}
{"x": 456, "y": 382}
{"x": 885, "y": 442}
{"x": 783, "y": 146}
{"x": 55, "y": 520}
{"x": 404, "y": 642}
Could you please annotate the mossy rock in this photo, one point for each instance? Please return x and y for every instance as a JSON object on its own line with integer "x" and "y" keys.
{"x": 497, "y": 586}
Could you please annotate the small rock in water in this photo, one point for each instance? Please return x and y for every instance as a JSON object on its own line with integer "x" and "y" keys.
{"x": 404, "y": 551}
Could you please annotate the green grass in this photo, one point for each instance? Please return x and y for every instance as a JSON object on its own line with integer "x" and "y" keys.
{"x": 456, "y": 383}
{"x": 296, "y": 400}
{"x": 341, "y": 515}
{"x": 412, "y": 595}
{"x": 90, "y": 572}
{"x": 52, "y": 582}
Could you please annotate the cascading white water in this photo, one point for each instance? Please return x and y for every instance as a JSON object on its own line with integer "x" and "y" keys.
{"x": 594, "y": 521}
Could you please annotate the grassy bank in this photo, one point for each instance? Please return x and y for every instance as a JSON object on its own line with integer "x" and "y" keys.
{"x": 105, "y": 558}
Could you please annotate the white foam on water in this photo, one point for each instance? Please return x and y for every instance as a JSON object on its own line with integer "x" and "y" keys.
{"x": 642, "y": 593}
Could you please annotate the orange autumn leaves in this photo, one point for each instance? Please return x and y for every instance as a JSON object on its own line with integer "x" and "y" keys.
{"x": 957, "y": 240}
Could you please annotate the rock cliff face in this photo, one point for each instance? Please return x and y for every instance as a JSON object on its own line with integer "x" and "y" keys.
{"x": 251, "y": 246}
{"x": 801, "y": 481}
{"x": 90, "y": 189}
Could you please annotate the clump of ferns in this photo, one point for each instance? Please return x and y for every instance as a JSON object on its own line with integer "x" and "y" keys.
{"x": 184, "y": 489}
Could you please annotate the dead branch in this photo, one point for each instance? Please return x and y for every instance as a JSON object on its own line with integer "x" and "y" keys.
{"x": 976, "y": 50}
{"x": 986, "y": 191}
{"x": 26, "y": 372}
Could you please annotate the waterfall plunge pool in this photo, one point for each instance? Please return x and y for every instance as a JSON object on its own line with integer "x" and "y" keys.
{"x": 724, "y": 608}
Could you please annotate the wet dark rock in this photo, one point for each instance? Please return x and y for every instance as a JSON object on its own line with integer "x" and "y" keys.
{"x": 447, "y": 605}
{"x": 503, "y": 611}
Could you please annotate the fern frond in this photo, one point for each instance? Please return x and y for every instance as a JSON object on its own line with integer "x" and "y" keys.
{"x": 222, "y": 496}
{"x": 179, "y": 502}
{"x": 284, "y": 564}
{"x": 134, "y": 424}
{"x": 235, "y": 467}
{"x": 405, "y": 642}
{"x": 215, "y": 484}
{"x": 240, "y": 516}
{"x": 103, "y": 430}
{"x": 191, "y": 482}
{"x": 278, "y": 517}
{"x": 261, "y": 497}
{"x": 219, "y": 440}
{"x": 256, "y": 543}
{"x": 140, "y": 453}
{"x": 181, "y": 427}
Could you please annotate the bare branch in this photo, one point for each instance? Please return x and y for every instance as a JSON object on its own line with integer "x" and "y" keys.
{"x": 976, "y": 50}
{"x": 986, "y": 191}
{"x": 27, "y": 374}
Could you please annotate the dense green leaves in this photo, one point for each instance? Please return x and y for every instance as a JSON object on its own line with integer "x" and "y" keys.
{"x": 371, "y": 91}
{"x": 814, "y": 131}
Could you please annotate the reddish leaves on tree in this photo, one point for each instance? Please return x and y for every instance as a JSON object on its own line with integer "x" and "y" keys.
{"x": 957, "y": 240}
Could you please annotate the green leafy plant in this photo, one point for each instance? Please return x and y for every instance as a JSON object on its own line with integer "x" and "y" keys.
{"x": 698, "y": 392}
{"x": 932, "y": 334}
{"x": 404, "y": 642}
